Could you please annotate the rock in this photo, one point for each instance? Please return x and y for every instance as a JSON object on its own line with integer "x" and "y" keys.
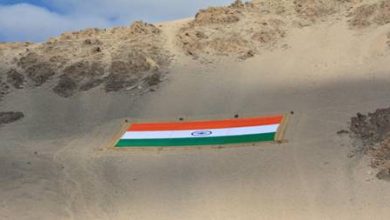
{"x": 153, "y": 80}
{"x": 4, "y": 89}
{"x": 248, "y": 54}
{"x": 40, "y": 73}
{"x": 9, "y": 117}
{"x": 91, "y": 84}
{"x": 78, "y": 71}
{"x": 217, "y": 15}
{"x": 29, "y": 59}
{"x": 361, "y": 16}
{"x": 84, "y": 75}
{"x": 373, "y": 131}
{"x": 66, "y": 87}
{"x": 384, "y": 174}
{"x": 117, "y": 82}
{"x": 340, "y": 132}
{"x": 314, "y": 10}
{"x": 237, "y": 4}
{"x": 140, "y": 27}
{"x": 373, "y": 13}
{"x": 15, "y": 79}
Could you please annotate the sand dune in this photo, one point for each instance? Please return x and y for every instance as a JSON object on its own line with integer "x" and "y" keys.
{"x": 55, "y": 162}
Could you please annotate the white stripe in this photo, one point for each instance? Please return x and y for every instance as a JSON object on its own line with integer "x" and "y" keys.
{"x": 208, "y": 132}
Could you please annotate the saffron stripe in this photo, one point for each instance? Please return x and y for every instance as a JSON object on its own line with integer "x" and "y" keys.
{"x": 176, "y": 142}
{"x": 197, "y": 125}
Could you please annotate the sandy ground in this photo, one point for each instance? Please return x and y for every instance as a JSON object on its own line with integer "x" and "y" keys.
{"x": 55, "y": 163}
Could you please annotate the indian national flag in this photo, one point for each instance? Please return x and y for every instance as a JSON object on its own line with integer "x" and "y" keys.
{"x": 230, "y": 131}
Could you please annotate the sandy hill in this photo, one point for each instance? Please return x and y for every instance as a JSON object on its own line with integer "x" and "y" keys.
{"x": 322, "y": 61}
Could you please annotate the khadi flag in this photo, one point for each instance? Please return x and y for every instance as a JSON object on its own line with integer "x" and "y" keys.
{"x": 195, "y": 133}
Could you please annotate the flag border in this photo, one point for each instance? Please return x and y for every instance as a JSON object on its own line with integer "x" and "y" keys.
{"x": 279, "y": 138}
{"x": 280, "y": 133}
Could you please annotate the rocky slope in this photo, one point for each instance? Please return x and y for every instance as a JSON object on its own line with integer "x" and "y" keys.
{"x": 246, "y": 29}
{"x": 116, "y": 59}
{"x": 373, "y": 132}
{"x": 135, "y": 57}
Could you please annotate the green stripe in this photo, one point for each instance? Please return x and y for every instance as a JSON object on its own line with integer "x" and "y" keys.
{"x": 174, "y": 142}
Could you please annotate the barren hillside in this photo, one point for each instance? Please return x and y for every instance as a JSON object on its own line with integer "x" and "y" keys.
{"x": 324, "y": 62}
